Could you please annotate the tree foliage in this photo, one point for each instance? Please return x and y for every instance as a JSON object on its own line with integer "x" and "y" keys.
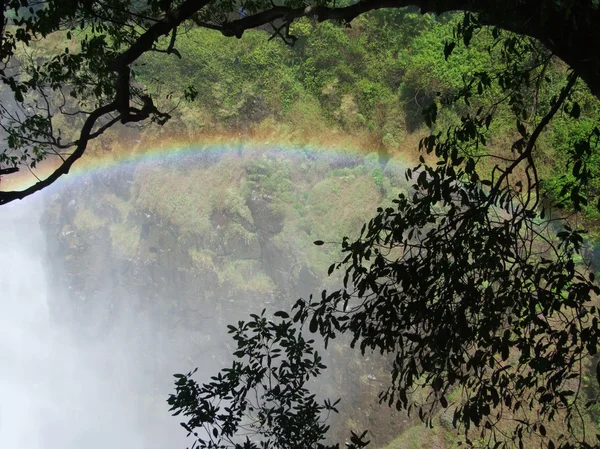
{"x": 466, "y": 284}
{"x": 265, "y": 393}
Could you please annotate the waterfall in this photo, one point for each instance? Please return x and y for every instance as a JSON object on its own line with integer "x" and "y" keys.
{"x": 56, "y": 392}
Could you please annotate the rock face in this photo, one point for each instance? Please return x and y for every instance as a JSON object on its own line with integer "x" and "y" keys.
{"x": 157, "y": 263}
{"x": 154, "y": 296}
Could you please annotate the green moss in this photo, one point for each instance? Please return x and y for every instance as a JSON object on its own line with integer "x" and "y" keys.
{"x": 125, "y": 239}
{"x": 236, "y": 233}
{"x": 234, "y": 203}
{"x": 86, "y": 220}
{"x": 246, "y": 276}
{"x": 202, "y": 260}
{"x": 119, "y": 204}
{"x": 270, "y": 177}
{"x": 189, "y": 199}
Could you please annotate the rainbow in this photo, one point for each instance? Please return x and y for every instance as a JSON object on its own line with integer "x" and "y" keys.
{"x": 98, "y": 160}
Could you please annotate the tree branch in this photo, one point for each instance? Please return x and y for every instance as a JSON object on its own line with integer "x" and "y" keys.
{"x": 86, "y": 135}
{"x": 127, "y": 114}
{"x": 161, "y": 28}
{"x": 526, "y": 154}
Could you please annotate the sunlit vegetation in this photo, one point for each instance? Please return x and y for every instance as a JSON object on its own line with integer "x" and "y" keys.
{"x": 222, "y": 210}
{"x": 369, "y": 83}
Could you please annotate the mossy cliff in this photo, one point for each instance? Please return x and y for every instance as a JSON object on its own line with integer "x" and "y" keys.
{"x": 161, "y": 256}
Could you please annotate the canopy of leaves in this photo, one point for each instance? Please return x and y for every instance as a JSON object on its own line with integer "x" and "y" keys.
{"x": 264, "y": 393}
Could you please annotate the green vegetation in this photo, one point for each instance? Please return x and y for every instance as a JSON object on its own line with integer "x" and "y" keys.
{"x": 417, "y": 437}
{"x": 371, "y": 84}
{"x": 125, "y": 239}
{"x": 354, "y": 82}
{"x": 246, "y": 276}
{"x": 87, "y": 220}
{"x": 285, "y": 198}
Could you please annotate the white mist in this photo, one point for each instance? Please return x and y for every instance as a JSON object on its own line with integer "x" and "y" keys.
{"x": 56, "y": 392}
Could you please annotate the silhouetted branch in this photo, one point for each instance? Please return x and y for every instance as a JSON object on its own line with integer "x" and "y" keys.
{"x": 527, "y": 153}
{"x": 8, "y": 171}
{"x": 86, "y": 133}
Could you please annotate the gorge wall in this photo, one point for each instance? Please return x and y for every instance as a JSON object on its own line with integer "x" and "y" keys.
{"x": 155, "y": 258}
